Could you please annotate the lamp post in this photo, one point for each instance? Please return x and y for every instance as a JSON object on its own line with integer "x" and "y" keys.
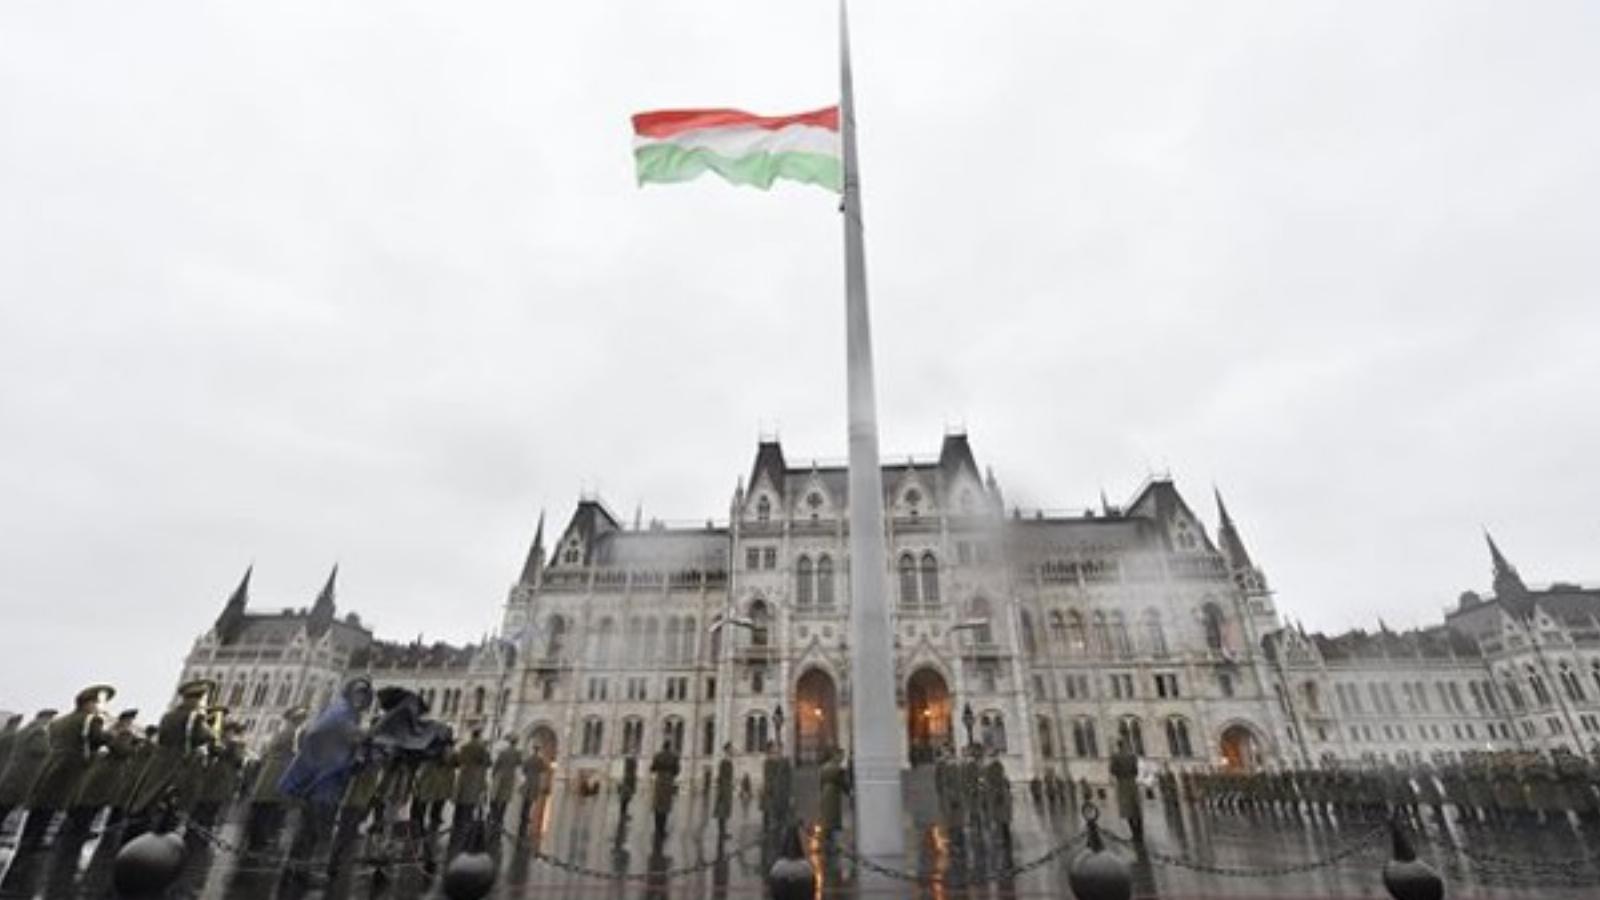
{"x": 967, "y": 718}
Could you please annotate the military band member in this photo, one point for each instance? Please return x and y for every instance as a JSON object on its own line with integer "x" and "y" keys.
{"x": 472, "y": 782}
{"x": 536, "y": 782}
{"x": 835, "y": 785}
{"x": 8, "y": 739}
{"x": 777, "y": 789}
{"x": 218, "y": 779}
{"x": 105, "y": 785}
{"x": 182, "y": 739}
{"x": 74, "y": 740}
{"x": 1125, "y": 769}
{"x": 268, "y": 805}
{"x": 28, "y": 754}
{"x": 665, "y": 768}
{"x": 997, "y": 793}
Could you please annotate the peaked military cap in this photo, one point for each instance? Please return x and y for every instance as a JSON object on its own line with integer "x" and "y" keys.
{"x": 197, "y": 688}
{"x": 127, "y": 715}
{"x": 101, "y": 692}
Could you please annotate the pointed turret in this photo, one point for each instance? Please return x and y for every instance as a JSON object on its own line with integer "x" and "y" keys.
{"x": 322, "y": 611}
{"x": 533, "y": 566}
{"x": 1508, "y": 584}
{"x": 232, "y": 617}
{"x": 1244, "y": 570}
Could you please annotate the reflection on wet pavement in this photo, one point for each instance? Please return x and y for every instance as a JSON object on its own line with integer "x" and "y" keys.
{"x": 577, "y": 848}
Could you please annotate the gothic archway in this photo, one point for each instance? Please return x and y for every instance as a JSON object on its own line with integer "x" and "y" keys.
{"x": 1239, "y": 747}
{"x": 816, "y": 712}
{"x": 542, "y": 740}
{"x": 927, "y": 714}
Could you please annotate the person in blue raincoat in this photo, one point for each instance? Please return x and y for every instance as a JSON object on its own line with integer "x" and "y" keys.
{"x": 329, "y": 752}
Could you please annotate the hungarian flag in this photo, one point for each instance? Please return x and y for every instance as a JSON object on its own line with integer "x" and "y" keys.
{"x": 679, "y": 144}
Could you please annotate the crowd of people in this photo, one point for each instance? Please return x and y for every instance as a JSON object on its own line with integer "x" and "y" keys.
{"x": 1508, "y": 787}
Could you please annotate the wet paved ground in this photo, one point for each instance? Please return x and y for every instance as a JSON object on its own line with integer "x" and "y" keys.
{"x": 1555, "y": 860}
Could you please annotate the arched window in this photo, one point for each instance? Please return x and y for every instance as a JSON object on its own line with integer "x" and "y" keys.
{"x": 1541, "y": 693}
{"x": 755, "y": 733}
{"x": 824, "y": 581}
{"x": 1211, "y": 616}
{"x": 908, "y": 580}
{"x": 803, "y": 581}
{"x": 930, "y": 580}
{"x": 992, "y": 731}
{"x": 690, "y": 638}
{"x": 1571, "y": 684}
{"x": 1030, "y": 644}
{"x": 1131, "y": 735}
{"x": 1084, "y": 742}
{"x": 670, "y": 649}
{"x": 1120, "y": 641}
{"x": 1178, "y": 746}
{"x": 555, "y": 637}
{"x": 1313, "y": 699}
{"x": 1047, "y": 741}
{"x": 979, "y": 610}
{"x": 761, "y": 619}
{"x": 652, "y": 636}
{"x": 632, "y": 736}
{"x": 1102, "y": 635}
{"x": 236, "y": 696}
{"x": 1155, "y": 637}
{"x": 763, "y": 510}
{"x": 594, "y": 732}
{"x": 1058, "y": 629}
{"x": 600, "y": 642}
{"x": 1077, "y": 637}
{"x": 672, "y": 733}
{"x": 477, "y": 701}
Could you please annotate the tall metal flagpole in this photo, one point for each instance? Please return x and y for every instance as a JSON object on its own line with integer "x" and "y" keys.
{"x": 873, "y": 715}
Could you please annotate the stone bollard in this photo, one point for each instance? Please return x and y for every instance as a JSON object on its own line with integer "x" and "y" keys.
{"x": 1405, "y": 876}
{"x": 470, "y": 876}
{"x": 791, "y": 877}
{"x": 1098, "y": 874}
{"x": 147, "y": 865}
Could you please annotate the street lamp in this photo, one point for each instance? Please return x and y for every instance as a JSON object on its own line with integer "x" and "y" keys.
{"x": 967, "y": 718}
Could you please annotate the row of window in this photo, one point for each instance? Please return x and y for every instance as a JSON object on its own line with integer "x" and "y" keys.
{"x": 1085, "y": 737}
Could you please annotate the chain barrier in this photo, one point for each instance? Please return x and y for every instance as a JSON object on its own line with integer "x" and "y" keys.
{"x": 1365, "y": 842}
{"x": 977, "y": 880}
{"x": 573, "y": 868}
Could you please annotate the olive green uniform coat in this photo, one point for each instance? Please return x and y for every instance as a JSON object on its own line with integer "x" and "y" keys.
{"x": 28, "y": 754}
{"x": 834, "y": 787}
{"x": 665, "y": 767}
{"x": 74, "y": 738}
{"x": 504, "y": 785}
{"x": 181, "y": 733}
{"x": 472, "y": 778}
{"x": 106, "y": 782}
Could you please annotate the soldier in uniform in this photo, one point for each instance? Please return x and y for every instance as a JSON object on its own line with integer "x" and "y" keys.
{"x": 997, "y": 793}
{"x": 436, "y": 784}
{"x": 181, "y": 739}
{"x": 1125, "y": 769}
{"x": 74, "y": 740}
{"x": 1577, "y": 776}
{"x": 664, "y": 767}
{"x": 503, "y": 782}
{"x": 218, "y": 784}
{"x": 1510, "y": 798}
{"x": 777, "y": 788}
{"x": 835, "y": 785}
{"x": 267, "y": 803}
{"x": 629, "y": 785}
{"x": 472, "y": 781}
{"x": 1544, "y": 791}
{"x": 105, "y": 784}
{"x": 28, "y": 753}
{"x": 723, "y": 807}
{"x": 8, "y": 740}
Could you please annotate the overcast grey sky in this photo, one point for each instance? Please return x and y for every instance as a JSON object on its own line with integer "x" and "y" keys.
{"x": 295, "y": 285}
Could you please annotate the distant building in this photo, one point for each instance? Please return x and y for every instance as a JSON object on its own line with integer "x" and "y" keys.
{"x": 1062, "y": 634}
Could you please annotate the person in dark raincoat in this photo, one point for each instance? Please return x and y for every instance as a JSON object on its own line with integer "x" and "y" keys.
{"x": 323, "y": 764}
{"x": 629, "y": 785}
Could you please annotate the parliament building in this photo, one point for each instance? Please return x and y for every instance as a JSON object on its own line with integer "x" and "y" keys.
{"x": 1048, "y": 637}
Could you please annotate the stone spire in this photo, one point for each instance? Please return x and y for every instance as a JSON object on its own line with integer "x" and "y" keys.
{"x": 533, "y": 567}
{"x": 1244, "y": 570}
{"x": 232, "y": 617}
{"x": 322, "y": 611}
{"x": 1508, "y": 583}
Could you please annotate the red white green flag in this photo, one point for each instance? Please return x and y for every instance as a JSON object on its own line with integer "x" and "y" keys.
{"x": 679, "y": 144}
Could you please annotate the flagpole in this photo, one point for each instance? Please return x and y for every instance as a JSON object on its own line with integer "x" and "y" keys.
{"x": 874, "y": 716}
